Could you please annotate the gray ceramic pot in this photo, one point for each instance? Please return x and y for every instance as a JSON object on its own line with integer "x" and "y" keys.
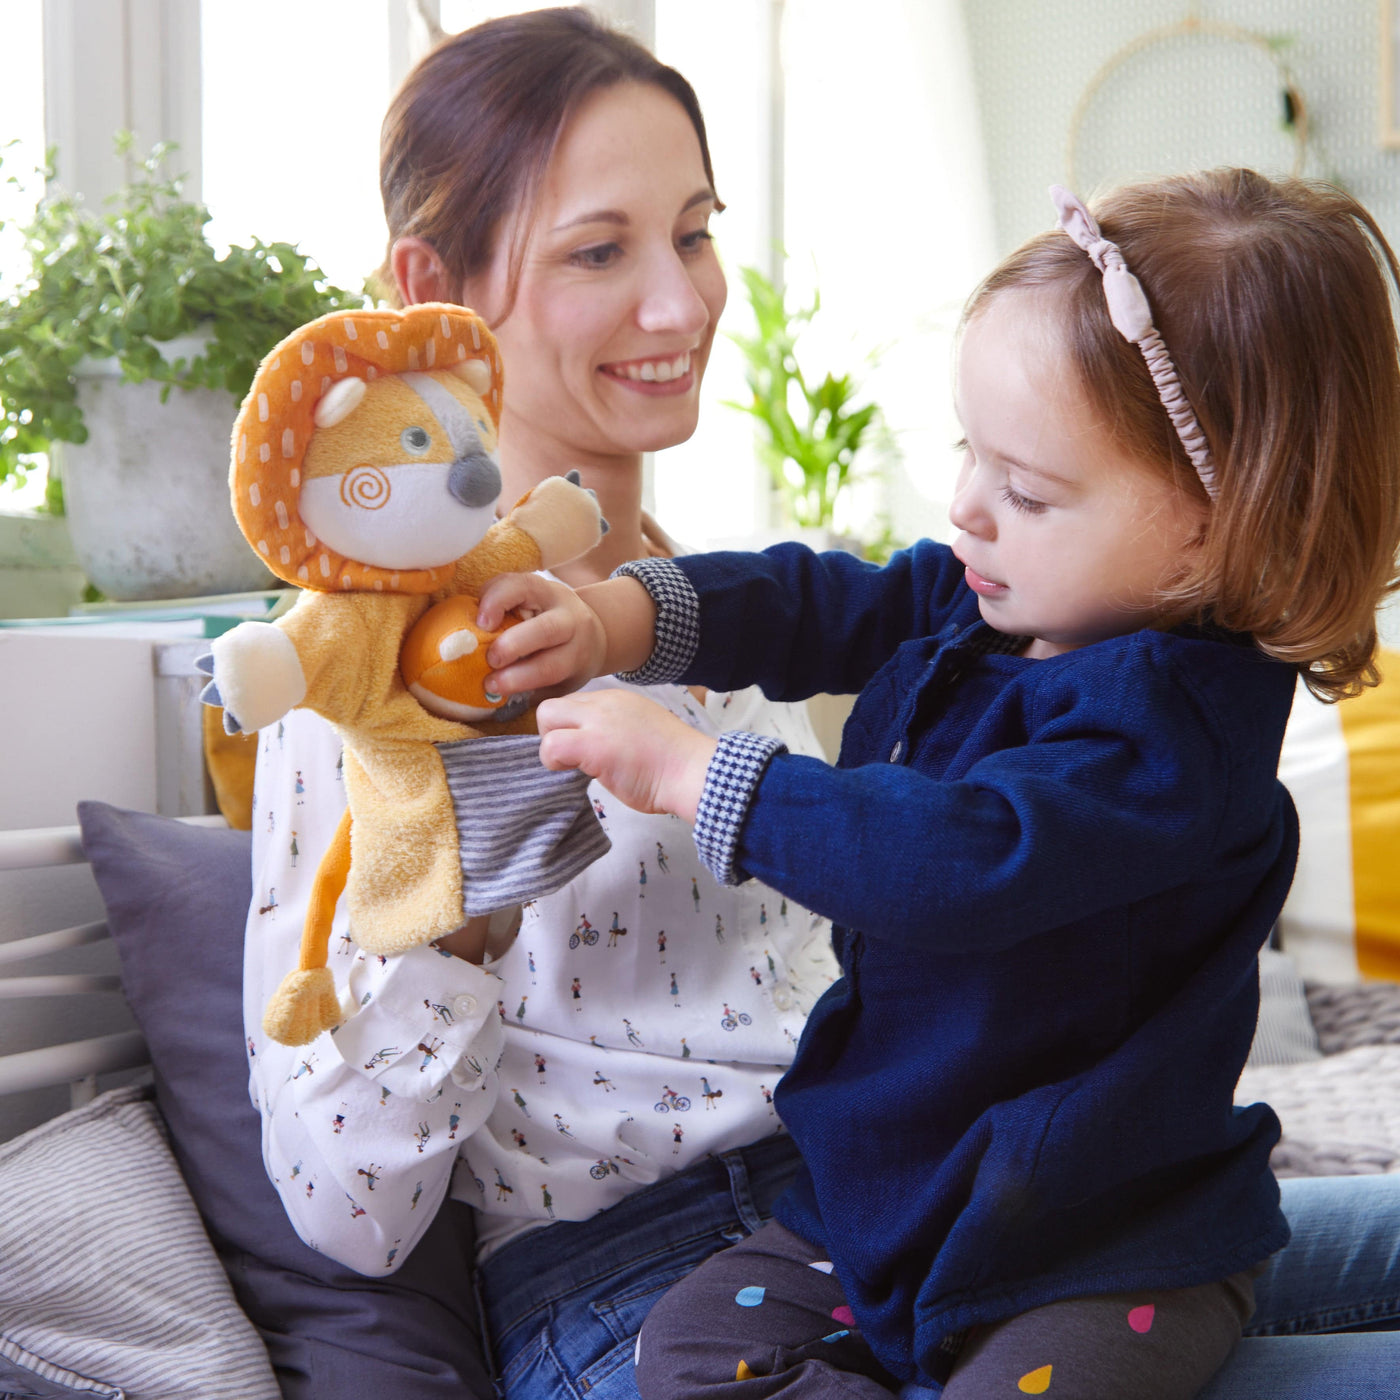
{"x": 147, "y": 495}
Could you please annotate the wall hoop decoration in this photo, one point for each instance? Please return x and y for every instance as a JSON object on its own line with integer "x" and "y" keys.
{"x": 1294, "y": 112}
{"x": 1390, "y": 75}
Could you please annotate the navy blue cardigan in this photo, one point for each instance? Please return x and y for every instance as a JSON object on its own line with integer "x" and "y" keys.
{"x": 1050, "y": 881}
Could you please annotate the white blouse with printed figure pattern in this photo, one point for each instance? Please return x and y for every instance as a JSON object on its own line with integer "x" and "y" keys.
{"x": 637, "y": 1020}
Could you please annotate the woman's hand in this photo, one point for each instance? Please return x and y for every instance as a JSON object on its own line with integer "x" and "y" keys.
{"x": 642, "y": 754}
{"x": 560, "y": 645}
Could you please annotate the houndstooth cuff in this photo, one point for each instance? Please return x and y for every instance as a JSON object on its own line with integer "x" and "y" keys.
{"x": 730, "y": 783}
{"x": 677, "y": 620}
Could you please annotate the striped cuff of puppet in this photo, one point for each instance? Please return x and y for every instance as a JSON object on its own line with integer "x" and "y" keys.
{"x": 730, "y": 783}
{"x": 677, "y": 620}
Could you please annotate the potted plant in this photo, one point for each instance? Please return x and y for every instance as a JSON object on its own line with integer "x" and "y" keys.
{"x": 810, "y": 432}
{"x": 117, "y": 309}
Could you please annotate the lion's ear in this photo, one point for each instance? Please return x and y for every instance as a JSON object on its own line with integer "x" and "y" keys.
{"x": 476, "y": 373}
{"x": 339, "y": 401}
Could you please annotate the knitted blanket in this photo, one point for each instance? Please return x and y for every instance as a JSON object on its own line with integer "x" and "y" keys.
{"x": 1341, "y": 1113}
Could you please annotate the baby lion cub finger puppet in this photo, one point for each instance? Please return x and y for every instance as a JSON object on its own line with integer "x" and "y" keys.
{"x": 363, "y": 472}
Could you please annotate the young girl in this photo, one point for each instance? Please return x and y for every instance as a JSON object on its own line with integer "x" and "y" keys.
{"x": 1055, "y": 840}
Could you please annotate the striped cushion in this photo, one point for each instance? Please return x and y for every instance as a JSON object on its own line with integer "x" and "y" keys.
{"x": 108, "y": 1284}
{"x": 1285, "y": 1034}
{"x": 1342, "y": 765}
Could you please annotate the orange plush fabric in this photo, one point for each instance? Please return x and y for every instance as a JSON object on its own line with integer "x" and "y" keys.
{"x": 276, "y": 425}
{"x": 328, "y": 416}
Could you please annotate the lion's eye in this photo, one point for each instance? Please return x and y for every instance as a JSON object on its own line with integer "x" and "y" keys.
{"x": 415, "y": 440}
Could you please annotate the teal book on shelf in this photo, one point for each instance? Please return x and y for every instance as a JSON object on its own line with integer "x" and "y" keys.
{"x": 167, "y": 617}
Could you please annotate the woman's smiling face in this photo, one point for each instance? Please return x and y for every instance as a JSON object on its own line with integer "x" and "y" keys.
{"x": 620, "y": 289}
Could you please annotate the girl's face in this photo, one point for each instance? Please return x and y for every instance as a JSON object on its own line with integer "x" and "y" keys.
{"x": 620, "y": 289}
{"x": 1066, "y": 539}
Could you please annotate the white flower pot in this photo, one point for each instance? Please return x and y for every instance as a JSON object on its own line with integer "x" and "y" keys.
{"x": 147, "y": 495}
{"x": 39, "y": 573}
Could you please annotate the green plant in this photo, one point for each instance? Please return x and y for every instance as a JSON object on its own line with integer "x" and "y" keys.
{"x": 810, "y": 432}
{"x": 883, "y": 543}
{"x": 117, "y": 284}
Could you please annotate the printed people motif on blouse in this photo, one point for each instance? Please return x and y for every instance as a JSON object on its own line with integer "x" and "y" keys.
{"x": 638, "y": 1020}
{"x": 671, "y": 1022}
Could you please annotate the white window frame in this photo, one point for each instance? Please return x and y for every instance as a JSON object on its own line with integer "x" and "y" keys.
{"x": 135, "y": 65}
{"x": 122, "y": 65}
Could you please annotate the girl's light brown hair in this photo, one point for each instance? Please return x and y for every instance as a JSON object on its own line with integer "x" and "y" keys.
{"x": 1274, "y": 299}
{"x": 469, "y": 136}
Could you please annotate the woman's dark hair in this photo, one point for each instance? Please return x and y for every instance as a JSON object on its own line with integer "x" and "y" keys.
{"x": 469, "y": 136}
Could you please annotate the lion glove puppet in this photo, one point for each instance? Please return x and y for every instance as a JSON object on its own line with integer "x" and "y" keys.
{"x": 363, "y": 472}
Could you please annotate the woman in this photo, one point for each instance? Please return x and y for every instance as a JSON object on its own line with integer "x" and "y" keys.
{"x": 556, "y": 177}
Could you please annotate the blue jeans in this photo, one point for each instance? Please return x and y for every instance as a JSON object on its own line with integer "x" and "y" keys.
{"x": 565, "y": 1302}
{"x": 1340, "y": 1274}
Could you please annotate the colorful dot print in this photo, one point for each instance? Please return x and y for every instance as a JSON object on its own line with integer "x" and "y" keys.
{"x": 1035, "y": 1382}
{"x": 1140, "y": 1319}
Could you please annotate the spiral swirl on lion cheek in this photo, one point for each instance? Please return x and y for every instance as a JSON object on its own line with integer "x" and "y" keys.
{"x": 365, "y": 487}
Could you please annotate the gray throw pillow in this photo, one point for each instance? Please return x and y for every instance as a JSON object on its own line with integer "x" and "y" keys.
{"x": 1285, "y": 1034}
{"x": 108, "y": 1283}
{"x": 177, "y": 899}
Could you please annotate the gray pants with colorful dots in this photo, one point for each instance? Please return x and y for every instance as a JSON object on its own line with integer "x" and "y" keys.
{"x": 767, "y": 1317}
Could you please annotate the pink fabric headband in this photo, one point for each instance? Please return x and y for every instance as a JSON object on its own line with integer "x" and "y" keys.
{"x": 1132, "y": 317}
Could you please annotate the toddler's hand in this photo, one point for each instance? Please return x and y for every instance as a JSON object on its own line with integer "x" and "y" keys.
{"x": 558, "y": 647}
{"x": 642, "y": 754}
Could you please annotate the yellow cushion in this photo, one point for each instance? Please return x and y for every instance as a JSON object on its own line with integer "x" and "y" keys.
{"x": 230, "y": 759}
{"x": 1342, "y": 765}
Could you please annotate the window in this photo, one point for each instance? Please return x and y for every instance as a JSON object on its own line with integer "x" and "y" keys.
{"x": 710, "y": 490}
{"x": 293, "y": 97}
{"x": 876, "y": 141}
{"x": 881, "y": 201}
{"x": 22, "y": 132}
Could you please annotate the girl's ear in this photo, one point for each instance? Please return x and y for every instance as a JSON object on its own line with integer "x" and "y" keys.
{"x": 419, "y": 272}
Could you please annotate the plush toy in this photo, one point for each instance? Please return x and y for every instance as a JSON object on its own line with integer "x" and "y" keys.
{"x": 363, "y": 472}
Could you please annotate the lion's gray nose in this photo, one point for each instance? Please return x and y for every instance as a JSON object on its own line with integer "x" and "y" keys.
{"x": 475, "y": 480}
